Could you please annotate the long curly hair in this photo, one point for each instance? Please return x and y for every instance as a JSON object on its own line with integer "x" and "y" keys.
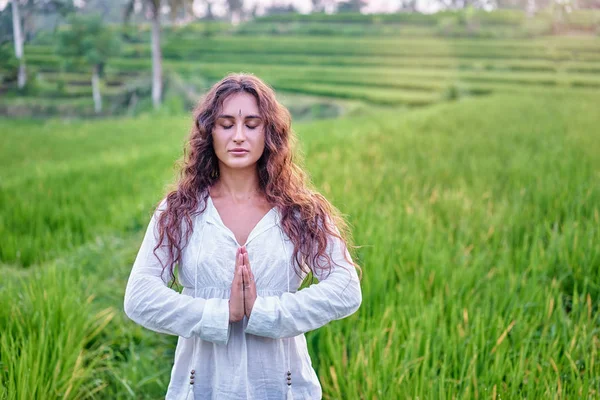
{"x": 306, "y": 216}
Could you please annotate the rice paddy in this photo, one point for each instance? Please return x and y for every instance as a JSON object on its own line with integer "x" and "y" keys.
{"x": 471, "y": 182}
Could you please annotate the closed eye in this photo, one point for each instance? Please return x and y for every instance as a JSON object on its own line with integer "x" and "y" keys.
{"x": 229, "y": 126}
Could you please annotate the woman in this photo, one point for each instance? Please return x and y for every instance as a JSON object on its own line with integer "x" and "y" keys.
{"x": 244, "y": 230}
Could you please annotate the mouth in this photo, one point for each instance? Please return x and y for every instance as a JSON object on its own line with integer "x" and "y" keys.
{"x": 238, "y": 152}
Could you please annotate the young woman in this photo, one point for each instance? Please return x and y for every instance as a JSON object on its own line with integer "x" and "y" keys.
{"x": 244, "y": 230}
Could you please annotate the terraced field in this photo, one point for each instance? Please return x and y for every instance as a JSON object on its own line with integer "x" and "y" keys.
{"x": 389, "y": 71}
{"x": 477, "y": 220}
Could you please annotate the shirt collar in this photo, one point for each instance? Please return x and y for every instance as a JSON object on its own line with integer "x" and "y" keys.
{"x": 270, "y": 219}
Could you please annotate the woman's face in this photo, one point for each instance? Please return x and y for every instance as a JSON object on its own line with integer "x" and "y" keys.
{"x": 239, "y": 126}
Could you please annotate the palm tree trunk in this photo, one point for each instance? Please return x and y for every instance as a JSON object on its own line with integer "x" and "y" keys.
{"x": 531, "y": 8}
{"x": 235, "y": 17}
{"x": 96, "y": 90}
{"x": 156, "y": 57}
{"x": 18, "y": 35}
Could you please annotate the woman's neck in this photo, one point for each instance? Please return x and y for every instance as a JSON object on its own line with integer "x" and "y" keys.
{"x": 237, "y": 185}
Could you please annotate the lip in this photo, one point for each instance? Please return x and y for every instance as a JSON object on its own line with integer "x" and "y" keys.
{"x": 238, "y": 151}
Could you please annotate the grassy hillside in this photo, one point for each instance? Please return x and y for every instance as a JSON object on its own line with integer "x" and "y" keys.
{"x": 478, "y": 221}
{"x": 385, "y": 69}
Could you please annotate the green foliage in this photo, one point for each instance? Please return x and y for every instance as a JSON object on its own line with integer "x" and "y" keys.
{"x": 30, "y": 243}
{"x": 478, "y": 248}
{"x": 455, "y": 91}
{"x": 87, "y": 41}
{"x": 6, "y": 27}
{"x": 9, "y": 64}
{"x": 374, "y": 70}
{"x": 196, "y": 29}
{"x": 48, "y": 328}
{"x": 467, "y": 22}
{"x": 352, "y": 17}
{"x": 509, "y": 18}
{"x": 61, "y": 86}
{"x": 385, "y": 59}
{"x": 587, "y": 20}
{"x": 350, "y": 6}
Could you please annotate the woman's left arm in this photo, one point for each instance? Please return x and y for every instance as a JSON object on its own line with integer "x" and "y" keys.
{"x": 335, "y": 296}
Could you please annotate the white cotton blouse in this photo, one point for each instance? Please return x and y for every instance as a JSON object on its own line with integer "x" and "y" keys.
{"x": 248, "y": 359}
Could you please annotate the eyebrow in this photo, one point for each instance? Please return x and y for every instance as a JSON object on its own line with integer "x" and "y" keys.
{"x": 232, "y": 117}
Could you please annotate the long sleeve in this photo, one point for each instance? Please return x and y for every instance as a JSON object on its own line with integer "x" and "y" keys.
{"x": 151, "y": 303}
{"x": 335, "y": 296}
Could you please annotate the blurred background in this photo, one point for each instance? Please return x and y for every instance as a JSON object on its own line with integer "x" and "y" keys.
{"x": 116, "y": 57}
{"x": 460, "y": 138}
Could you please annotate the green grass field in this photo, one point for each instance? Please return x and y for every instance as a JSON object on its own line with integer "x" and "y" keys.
{"x": 478, "y": 221}
{"x": 469, "y": 170}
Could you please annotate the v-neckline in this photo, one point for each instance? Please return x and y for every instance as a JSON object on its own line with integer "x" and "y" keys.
{"x": 252, "y": 233}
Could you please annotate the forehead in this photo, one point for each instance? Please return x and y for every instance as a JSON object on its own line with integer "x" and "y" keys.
{"x": 240, "y": 101}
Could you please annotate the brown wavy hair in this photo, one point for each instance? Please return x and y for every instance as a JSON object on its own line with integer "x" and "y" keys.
{"x": 304, "y": 211}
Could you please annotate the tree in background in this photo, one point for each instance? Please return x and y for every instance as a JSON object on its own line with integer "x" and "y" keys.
{"x": 278, "y": 9}
{"x": 56, "y": 9}
{"x": 517, "y": 4}
{"x": 152, "y": 8}
{"x": 209, "y": 10}
{"x": 317, "y": 5}
{"x": 408, "y": 5}
{"x": 254, "y": 11}
{"x": 23, "y": 13}
{"x": 462, "y": 4}
{"x": 88, "y": 42}
{"x": 9, "y": 64}
{"x": 181, "y": 11}
{"x": 351, "y": 5}
{"x": 110, "y": 10}
{"x": 560, "y": 10}
{"x": 323, "y": 5}
{"x": 235, "y": 10}
{"x": 18, "y": 39}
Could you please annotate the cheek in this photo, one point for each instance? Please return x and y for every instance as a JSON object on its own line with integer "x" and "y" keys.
{"x": 217, "y": 141}
{"x": 261, "y": 139}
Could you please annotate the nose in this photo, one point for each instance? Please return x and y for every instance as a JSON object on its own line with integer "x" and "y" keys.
{"x": 239, "y": 133}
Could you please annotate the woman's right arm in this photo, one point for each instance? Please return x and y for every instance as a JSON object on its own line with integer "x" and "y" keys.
{"x": 151, "y": 303}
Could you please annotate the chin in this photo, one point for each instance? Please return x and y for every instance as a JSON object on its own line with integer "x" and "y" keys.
{"x": 241, "y": 165}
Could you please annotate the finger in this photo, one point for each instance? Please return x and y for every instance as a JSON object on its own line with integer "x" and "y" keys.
{"x": 239, "y": 272}
{"x": 248, "y": 278}
{"x": 244, "y": 277}
{"x": 247, "y": 263}
{"x": 242, "y": 268}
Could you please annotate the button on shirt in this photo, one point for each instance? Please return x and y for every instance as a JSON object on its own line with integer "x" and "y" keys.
{"x": 247, "y": 359}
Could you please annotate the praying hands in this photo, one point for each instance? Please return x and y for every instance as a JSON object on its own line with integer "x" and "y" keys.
{"x": 243, "y": 288}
